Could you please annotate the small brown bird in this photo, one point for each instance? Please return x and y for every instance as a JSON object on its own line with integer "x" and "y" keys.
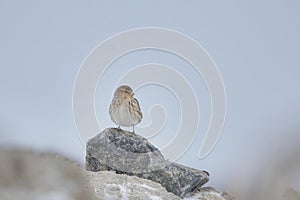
{"x": 124, "y": 109}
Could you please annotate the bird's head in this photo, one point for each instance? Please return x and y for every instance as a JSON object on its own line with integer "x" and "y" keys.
{"x": 123, "y": 92}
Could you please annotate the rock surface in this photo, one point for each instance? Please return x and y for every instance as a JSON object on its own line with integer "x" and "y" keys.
{"x": 109, "y": 185}
{"x": 209, "y": 193}
{"x": 131, "y": 154}
{"x": 32, "y": 176}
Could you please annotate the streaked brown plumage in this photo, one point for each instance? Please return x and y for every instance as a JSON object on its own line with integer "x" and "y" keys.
{"x": 124, "y": 109}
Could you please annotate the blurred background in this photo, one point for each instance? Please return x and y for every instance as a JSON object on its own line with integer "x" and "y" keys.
{"x": 255, "y": 45}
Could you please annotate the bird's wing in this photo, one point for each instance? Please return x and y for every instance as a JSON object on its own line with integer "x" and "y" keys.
{"x": 136, "y": 103}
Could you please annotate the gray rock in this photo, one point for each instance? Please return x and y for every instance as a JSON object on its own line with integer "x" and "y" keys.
{"x": 131, "y": 154}
{"x": 45, "y": 176}
{"x": 33, "y": 176}
{"x": 109, "y": 185}
{"x": 209, "y": 193}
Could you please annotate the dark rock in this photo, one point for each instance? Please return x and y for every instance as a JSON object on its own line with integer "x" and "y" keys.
{"x": 131, "y": 154}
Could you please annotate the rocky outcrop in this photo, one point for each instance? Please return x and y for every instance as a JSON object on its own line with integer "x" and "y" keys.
{"x": 33, "y": 176}
{"x": 109, "y": 185}
{"x": 131, "y": 154}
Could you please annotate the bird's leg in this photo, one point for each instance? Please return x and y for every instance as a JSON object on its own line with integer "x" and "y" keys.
{"x": 133, "y": 129}
{"x": 119, "y": 127}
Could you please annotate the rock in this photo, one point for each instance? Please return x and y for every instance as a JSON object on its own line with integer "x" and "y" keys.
{"x": 32, "y": 176}
{"x": 131, "y": 154}
{"x": 109, "y": 185}
{"x": 209, "y": 193}
{"x": 227, "y": 196}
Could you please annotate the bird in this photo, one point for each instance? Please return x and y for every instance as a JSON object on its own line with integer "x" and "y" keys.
{"x": 124, "y": 109}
